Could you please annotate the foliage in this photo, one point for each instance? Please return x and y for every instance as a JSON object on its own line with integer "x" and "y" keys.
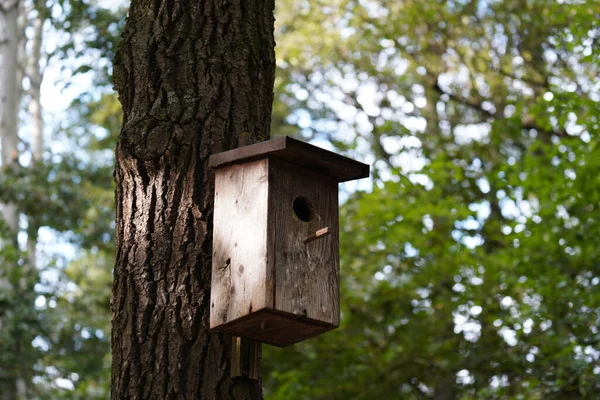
{"x": 468, "y": 262}
{"x": 54, "y": 309}
{"x": 469, "y": 270}
{"x": 76, "y": 346}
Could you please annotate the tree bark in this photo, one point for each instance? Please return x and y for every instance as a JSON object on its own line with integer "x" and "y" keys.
{"x": 194, "y": 78}
{"x": 35, "y": 75}
{"x": 13, "y": 378}
{"x": 9, "y": 95}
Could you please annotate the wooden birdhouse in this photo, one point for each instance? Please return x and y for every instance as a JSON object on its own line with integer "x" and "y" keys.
{"x": 275, "y": 264}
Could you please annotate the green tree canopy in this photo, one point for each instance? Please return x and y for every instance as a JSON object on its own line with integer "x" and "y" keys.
{"x": 470, "y": 270}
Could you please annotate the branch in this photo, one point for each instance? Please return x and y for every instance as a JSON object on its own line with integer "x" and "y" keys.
{"x": 469, "y": 101}
{"x": 532, "y": 82}
{"x": 526, "y": 123}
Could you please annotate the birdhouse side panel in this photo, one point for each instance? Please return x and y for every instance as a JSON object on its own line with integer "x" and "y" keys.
{"x": 304, "y": 205}
{"x": 239, "y": 260}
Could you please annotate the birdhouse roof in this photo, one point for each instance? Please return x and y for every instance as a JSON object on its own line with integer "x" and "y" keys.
{"x": 328, "y": 163}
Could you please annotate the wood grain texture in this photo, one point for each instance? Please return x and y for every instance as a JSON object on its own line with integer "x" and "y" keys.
{"x": 276, "y": 328}
{"x": 268, "y": 282}
{"x": 245, "y": 358}
{"x": 239, "y": 267}
{"x": 306, "y": 274}
{"x": 317, "y": 235}
{"x": 335, "y": 166}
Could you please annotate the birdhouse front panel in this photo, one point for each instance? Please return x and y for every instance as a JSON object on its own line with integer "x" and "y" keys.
{"x": 239, "y": 264}
{"x": 302, "y": 203}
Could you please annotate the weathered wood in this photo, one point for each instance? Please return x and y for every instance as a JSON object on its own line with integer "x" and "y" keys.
{"x": 253, "y": 358}
{"x": 236, "y": 356}
{"x": 307, "y": 275}
{"x": 276, "y": 328}
{"x": 239, "y": 265}
{"x": 245, "y": 358}
{"x": 333, "y": 165}
{"x": 317, "y": 235}
{"x": 269, "y": 283}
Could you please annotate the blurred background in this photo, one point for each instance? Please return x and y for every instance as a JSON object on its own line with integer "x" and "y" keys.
{"x": 470, "y": 260}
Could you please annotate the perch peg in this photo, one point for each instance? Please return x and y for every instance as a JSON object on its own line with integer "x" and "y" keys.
{"x": 317, "y": 235}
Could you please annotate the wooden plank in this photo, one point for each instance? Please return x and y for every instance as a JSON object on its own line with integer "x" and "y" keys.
{"x": 276, "y": 328}
{"x": 245, "y": 358}
{"x": 239, "y": 263}
{"x": 271, "y": 247}
{"x": 335, "y": 166}
{"x": 306, "y": 274}
{"x": 253, "y": 359}
{"x": 317, "y": 235}
{"x": 236, "y": 356}
{"x": 247, "y": 153}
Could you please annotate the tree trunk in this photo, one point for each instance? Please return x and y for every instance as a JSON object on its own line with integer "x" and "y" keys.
{"x": 9, "y": 95}
{"x": 13, "y": 378}
{"x": 194, "y": 78}
{"x": 35, "y": 74}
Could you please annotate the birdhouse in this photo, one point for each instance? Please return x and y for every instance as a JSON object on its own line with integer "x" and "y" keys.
{"x": 275, "y": 264}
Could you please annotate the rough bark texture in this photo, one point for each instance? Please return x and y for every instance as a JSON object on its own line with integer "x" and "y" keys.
{"x": 194, "y": 78}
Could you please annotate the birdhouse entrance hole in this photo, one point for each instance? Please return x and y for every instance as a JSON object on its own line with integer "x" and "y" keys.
{"x": 303, "y": 208}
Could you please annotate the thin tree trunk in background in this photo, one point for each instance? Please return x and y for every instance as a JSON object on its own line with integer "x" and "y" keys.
{"x": 13, "y": 384}
{"x": 35, "y": 74}
{"x": 9, "y": 95}
{"x": 194, "y": 78}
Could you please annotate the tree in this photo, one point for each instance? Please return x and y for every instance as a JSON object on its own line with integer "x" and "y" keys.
{"x": 194, "y": 78}
{"x": 10, "y": 95}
